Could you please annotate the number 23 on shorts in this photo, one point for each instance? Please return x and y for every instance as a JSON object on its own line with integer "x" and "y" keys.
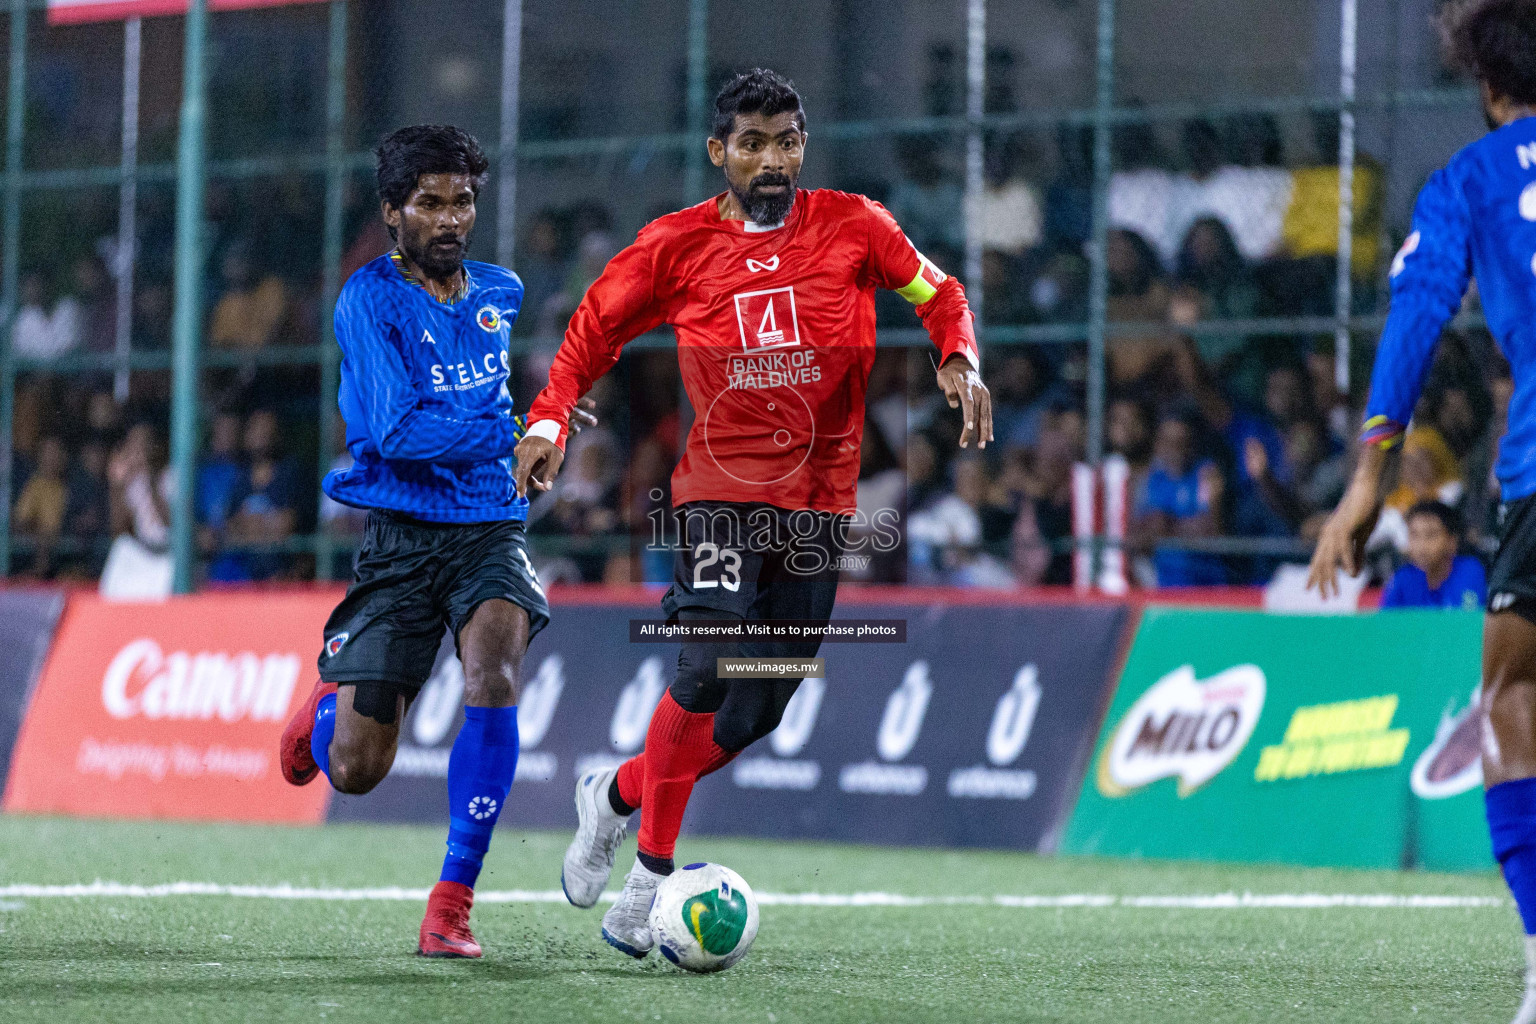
{"x": 707, "y": 554}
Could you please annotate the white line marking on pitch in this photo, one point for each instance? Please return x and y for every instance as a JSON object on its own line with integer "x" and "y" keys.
{"x": 1214, "y": 901}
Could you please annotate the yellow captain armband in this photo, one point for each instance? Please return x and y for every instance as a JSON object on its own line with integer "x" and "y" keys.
{"x": 925, "y": 285}
{"x": 917, "y": 291}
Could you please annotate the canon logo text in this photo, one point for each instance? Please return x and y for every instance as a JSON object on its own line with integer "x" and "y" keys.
{"x": 144, "y": 681}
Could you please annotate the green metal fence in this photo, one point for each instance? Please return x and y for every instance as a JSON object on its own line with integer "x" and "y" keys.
{"x": 968, "y": 130}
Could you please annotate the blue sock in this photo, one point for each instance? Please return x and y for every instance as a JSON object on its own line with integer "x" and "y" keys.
{"x": 480, "y": 771}
{"x": 325, "y": 730}
{"x": 1512, "y": 824}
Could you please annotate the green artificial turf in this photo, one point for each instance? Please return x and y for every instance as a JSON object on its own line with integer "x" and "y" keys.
{"x": 226, "y": 958}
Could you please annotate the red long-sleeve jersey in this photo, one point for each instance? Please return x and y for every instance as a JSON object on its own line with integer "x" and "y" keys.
{"x": 776, "y": 336}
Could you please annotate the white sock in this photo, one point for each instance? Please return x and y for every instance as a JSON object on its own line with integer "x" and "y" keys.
{"x": 1530, "y": 961}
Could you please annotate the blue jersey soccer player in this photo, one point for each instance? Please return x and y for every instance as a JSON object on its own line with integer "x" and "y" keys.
{"x": 423, "y": 335}
{"x": 1476, "y": 216}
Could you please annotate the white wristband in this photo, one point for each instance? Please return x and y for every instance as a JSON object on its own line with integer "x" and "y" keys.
{"x": 549, "y": 430}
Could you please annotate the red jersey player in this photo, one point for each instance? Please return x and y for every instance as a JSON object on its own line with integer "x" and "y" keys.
{"x": 770, "y": 291}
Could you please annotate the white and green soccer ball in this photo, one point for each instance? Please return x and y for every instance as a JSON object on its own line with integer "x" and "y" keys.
{"x": 704, "y": 917}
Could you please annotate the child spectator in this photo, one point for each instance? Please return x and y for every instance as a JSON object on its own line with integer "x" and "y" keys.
{"x": 1436, "y": 576}
{"x": 1428, "y": 471}
{"x": 40, "y": 509}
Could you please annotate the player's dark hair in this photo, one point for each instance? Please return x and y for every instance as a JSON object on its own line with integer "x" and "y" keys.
{"x": 407, "y": 153}
{"x": 1449, "y": 517}
{"x": 1496, "y": 41}
{"x": 758, "y": 91}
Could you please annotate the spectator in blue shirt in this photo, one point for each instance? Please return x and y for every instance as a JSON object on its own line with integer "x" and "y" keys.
{"x": 219, "y": 476}
{"x": 1436, "y": 576}
{"x": 1181, "y": 500}
{"x": 265, "y": 509}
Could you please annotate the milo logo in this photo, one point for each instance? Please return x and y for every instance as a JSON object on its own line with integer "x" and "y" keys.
{"x": 1183, "y": 728}
{"x": 717, "y": 918}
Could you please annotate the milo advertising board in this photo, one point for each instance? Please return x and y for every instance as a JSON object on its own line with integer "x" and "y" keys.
{"x": 1345, "y": 741}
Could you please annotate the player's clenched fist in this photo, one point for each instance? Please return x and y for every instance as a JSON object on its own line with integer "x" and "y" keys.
{"x": 962, "y": 385}
{"x": 538, "y": 460}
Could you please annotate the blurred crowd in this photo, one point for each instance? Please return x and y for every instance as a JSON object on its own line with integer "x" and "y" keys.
{"x": 1227, "y": 429}
{"x": 1206, "y": 464}
{"x": 87, "y": 472}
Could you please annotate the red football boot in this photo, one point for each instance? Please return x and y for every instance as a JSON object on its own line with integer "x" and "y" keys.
{"x": 293, "y": 749}
{"x": 445, "y": 929}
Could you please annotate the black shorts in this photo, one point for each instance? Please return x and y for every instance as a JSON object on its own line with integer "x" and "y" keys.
{"x": 756, "y": 561}
{"x": 1512, "y": 580}
{"x": 412, "y": 579}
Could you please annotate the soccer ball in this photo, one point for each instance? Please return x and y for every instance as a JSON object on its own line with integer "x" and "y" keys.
{"x": 704, "y": 917}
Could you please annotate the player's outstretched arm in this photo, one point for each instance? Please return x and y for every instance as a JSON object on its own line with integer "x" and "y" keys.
{"x": 939, "y": 299}
{"x": 963, "y": 388}
{"x": 1429, "y": 277}
{"x": 1342, "y": 543}
{"x": 620, "y": 306}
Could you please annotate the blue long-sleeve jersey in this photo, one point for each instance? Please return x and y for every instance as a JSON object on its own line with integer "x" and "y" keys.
{"x": 1477, "y": 215}
{"x": 423, "y": 392}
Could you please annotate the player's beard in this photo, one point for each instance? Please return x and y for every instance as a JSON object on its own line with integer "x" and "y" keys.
{"x": 436, "y": 262}
{"x": 766, "y": 207}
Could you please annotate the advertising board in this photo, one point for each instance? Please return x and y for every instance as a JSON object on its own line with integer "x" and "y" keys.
{"x": 1297, "y": 739}
{"x": 170, "y": 709}
{"x": 970, "y": 733}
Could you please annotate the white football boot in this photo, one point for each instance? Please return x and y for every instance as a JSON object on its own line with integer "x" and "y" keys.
{"x": 627, "y": 925}
{"x": 1527, "y": 1012}
{"x": 599, "y": 834}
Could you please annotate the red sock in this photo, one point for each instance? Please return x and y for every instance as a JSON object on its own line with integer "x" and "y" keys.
{"x": 719, "y": 759}
{"x": 631, "y": 777}
{"x": 678, "y": 746}
{"x": 632, "y": 780}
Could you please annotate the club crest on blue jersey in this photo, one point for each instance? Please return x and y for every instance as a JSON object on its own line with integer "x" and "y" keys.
{"x": 334, "y": 644}
{"x": 489, "y": 319}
